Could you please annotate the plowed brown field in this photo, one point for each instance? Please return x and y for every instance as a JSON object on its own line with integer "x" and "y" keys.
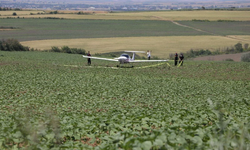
{"x": 235, "y": 57}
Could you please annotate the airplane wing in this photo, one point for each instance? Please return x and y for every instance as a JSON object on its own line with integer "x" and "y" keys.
{"x": 148, "y": 60}
{"x": 99, "y": 58}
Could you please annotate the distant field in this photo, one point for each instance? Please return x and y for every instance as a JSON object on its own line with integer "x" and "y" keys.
{"x": 41, "y": 29}
{"x": 156, "y": 15}
{"x": 189, "y": 15}
{"x": 98, "y": 36}
{"x": 160, "y": 46}
{"x": 221, "y": 28}
{"x": 245, "y": 37}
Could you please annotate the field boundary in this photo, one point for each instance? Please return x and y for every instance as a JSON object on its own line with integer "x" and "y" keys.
{"x": 227, "y": 36}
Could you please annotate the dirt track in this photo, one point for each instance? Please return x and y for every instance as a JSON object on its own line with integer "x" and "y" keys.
{"x": 235, "y": 57}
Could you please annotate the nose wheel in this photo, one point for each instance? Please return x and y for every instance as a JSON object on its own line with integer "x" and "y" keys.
{"x": 122, "y": 66}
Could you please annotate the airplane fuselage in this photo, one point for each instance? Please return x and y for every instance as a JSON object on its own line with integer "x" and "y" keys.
{"x": 124, "y": 58}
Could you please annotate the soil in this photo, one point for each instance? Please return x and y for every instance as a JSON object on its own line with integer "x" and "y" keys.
{"x": 235, "y": 57}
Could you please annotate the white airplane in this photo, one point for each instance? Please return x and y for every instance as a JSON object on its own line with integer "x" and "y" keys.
{"x": 125, "y": 58}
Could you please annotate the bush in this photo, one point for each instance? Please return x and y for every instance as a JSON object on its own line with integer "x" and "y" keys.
{"x": 52, "y": 18}
{"x": 245, "y": 57}
{"x": 238, "y": 47}
{"x": 55, "y": 49}
{"x": 246, "y": 46}
{"x": 53, "y": 12}
{"x": 66, "y": 49}
{"x": 12, "y": 45}
{"x": 78, "y": 51}
{"x": 229, "y": 59}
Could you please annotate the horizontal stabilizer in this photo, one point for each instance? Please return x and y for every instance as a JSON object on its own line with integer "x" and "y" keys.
{"x": 135, "y": 51}
{"x": 99, "y": 58}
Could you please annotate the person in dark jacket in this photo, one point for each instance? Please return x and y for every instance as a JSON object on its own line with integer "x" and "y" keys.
{"x": 181, "y": 59}
{"x": 175, "y": 59}
{"x": 89, "y": 60}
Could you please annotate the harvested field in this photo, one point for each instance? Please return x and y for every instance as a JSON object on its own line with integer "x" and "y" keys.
{"x": 19, "y": 13}
{"x": 160, "y": 46}
{"x": 234, "y": 57}
{"x": 157, "y": 15}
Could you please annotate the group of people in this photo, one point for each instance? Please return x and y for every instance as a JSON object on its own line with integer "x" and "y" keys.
{"x": 176, "y": 58}
{"x": 180, "y": 58}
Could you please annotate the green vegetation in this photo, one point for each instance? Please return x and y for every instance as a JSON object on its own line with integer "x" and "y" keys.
{"x": 9, "y": 9}
{"x": 8, "y": 27}
{"x": 220, "y": 27}
{"x": 38, "y": 29}
{"x": 66, "y": 49}
{"x": 229, "y": 50}
{"x": 195, "y": 53}
{"x": 12, "y": 45}
{"x": 245, "y": 57}
{"x": 63, "y": 29}
{"x": 53, "y": 12}
{"x": 55, "y": 101}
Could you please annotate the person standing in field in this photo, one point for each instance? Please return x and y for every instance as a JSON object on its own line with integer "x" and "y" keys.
{"x": 89, "y": 60}
{"x": 181, "y": 59}
{"x": 149, "y": 55}
{"x": 176, "y": 59}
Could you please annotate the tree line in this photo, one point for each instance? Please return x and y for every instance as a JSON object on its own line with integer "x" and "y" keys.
{"x": 9, "y": 9}
{"x": 15, "y": 45}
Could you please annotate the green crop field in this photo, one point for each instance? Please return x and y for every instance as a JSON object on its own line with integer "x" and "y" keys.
{"x": 221, "y": 28}
{"x": 55, "y": 101}
{"x": 40, "y": 29}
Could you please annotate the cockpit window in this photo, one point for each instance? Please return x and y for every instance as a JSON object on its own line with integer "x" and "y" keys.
{"x": 125, "y": 55}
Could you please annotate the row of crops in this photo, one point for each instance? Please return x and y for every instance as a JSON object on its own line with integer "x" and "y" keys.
{"x": 56, "y": 101}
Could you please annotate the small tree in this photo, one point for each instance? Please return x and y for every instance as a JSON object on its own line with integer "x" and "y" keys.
{"x": 1, "y": 46}
{"x": 246, "y": 46}
{"x": 12, "y": 45}
{"x": 55, "y": 49}
{"x": 14, "y": 14}
{"x": 238, "y": 47}
{"x": 66, "y": 49}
